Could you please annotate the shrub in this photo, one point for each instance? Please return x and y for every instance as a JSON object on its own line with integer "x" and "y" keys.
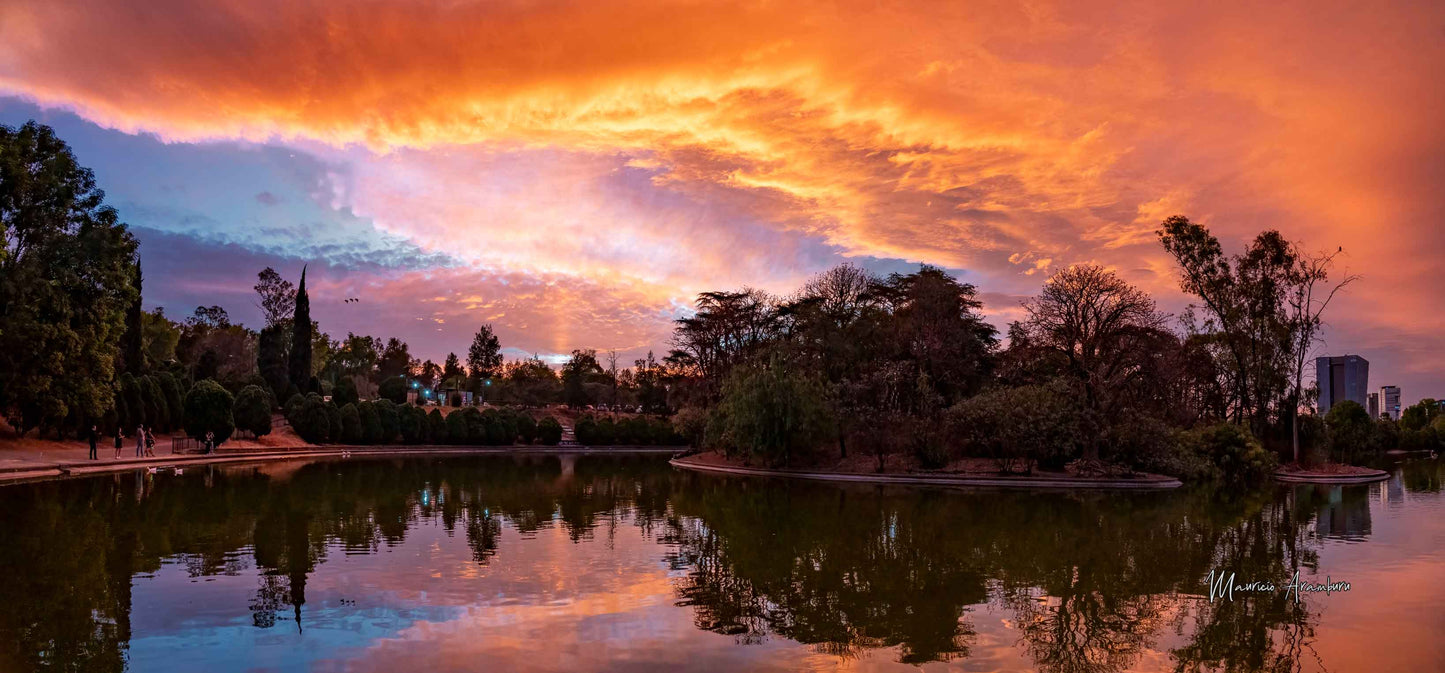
{"x": 408, "y": 424}
{"x": 370, "y": 423}
{"x": 1018, "y": 427}
{"x": 386, "y": 412}
{"x": 393, "y": 388}
{"x": 549, "y": 431}
{"x": 208, "y": 409}
{"x": 773, "y": 412}
{"x": 345, "y": 392}
{"x": 1148, "y": 444}
{"x": 252, "y": 411}
{"x": 585, "y": 430}
{"x": 310, "y": 420}
{"x": 1233, "y": 451}
{"x": 293, "y": 404}
{"x": 476, "y": 426}
{"x": 689, "y": 423}
{"x": 456, "y": 427}
{"x": 350, "y": 424}
{"x": 436, "y": 427}
{"x": 333, "y": 421}
{"x": 526, "y": 428}
{"x": 501, "y": 428}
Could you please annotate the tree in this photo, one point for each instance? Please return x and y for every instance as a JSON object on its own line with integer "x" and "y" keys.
{"x": 345, "y": 392}
{"x": 429, "y": 374}
{"x": 132, "y": 350}
{"x": 310, "y": 420}
{"x": 390, "y": 420}
{"x": 457, "y": 432}
{"x": 66, "y": 281}
{"x": 157, "y": 411}
{"x": 1351, "y": 430}
{"x": 271, "y": 357}
{"x": 370, "y": 423}
{"x": 936, "y": 324}
{"x": 209, "y": 409}
{"x": 578, "y": 371}
{"x": 277, "y": 298}
{"x": 1102, "y": 327}
{"x": 484, "y": 358}
{"x": 300, "y": 355}
{"x": 773, "y": 413}
{"x": 452, "y": 372}
{"x": 252, "y": 411}
{"x": 395, "y": 360}
{"x": 393, "y": 389}
{"x": 159, "y": 337}
{"x": 436, "y": 427}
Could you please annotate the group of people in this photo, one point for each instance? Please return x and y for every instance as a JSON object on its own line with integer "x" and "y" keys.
{"x": 145, "y": 441}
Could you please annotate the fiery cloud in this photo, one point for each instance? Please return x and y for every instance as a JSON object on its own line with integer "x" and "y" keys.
{"x": 684, "y": 145}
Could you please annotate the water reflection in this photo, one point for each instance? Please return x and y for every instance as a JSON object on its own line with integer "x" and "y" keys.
{"x": 426, "y": 555}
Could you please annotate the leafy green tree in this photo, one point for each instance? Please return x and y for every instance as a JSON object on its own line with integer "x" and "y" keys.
{"x": 277, "y": 298}
{"x": 581, "y": 369}
{"x": 134, "y": 402}
{"x": 773, "y": 413}
{"x": 345, "y": 392}
{"x": 208, "y": 409}
{"x": 252, "y": 411}
{"x": 1351, "y": 431}
{"x": 549, "y": 431}
{"x": 132, "y": 343}
{"x": 484, "y": 357}
{"x": 154, "y": 399}
{"x": 395, "y": 361}
{"x": 452, "y": 372}
{"x": 271, "y": 355}
{"x": 171, "y": 389}
{"x": 299, "y": 358}
{"x": 1020, "y": 427}
{"x": 1236, "y": 453}
{"x": 160, "y": 337}
{"x": 350, "y": 424}
{"x": 66, "y": 281}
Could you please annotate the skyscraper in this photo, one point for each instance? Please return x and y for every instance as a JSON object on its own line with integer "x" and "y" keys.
{"x": 1342, "y": 377}
{"x": 1390, "y": 401}
{"x": 1374, "y": 406}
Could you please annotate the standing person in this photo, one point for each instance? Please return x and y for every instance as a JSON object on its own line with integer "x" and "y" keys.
{"x": 94, "y": 435}
{"x": 119, "y": 435}
{"x": 140, "y": 441}
{"x": 150, "y": 442}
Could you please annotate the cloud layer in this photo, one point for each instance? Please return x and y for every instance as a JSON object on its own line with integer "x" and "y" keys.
{"x": 660, "y": 148}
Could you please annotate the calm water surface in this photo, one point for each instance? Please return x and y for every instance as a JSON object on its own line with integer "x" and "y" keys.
{"x": 616, "y": 564}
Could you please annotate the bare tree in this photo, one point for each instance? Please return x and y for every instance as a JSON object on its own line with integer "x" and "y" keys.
{"x": 1310, "y": 293}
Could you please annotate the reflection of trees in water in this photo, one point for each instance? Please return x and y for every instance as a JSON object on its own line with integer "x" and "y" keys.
{"x": 71, "y": 548}
{"x": 1091, "y": 579}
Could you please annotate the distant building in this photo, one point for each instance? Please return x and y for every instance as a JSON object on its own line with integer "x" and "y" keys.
{"x": 1390, "y": 401}
{"x": 1342, "y": 377}
{"x": 1374, "y": 406}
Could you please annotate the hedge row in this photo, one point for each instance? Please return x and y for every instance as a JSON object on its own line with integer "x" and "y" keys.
{"x": 631, "y": 431}
{"x": 385, "y": 422}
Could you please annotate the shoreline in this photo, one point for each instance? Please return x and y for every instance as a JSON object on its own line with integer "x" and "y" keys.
{"x": 1307, "y": 477}
{"x": 1151, "y": 482}
{"x": 81, "y": 468}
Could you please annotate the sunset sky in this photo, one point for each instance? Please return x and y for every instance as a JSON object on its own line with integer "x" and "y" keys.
{"x": 574, "y": 172}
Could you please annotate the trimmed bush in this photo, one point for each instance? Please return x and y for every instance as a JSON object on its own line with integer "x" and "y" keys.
{"x": 393, "y": 388}
{"x": 476, "y": 426}
{"x": 208, "y": 409}
{"x": 585, "y": 430}
{"x": 456, "y": 423}
{"x": 333, "y": 421}
{"x": 293, "y": 405}
{"x": 310, "y": 421}
{"x": 252, "y": 411}
{"x": 345, "y": 392}
{"x": 436, "y": 427}
{"x": 1019, "y": 426}
{"x": 549, "y": 431}
{"x": 526, "y": 429}
{"x": 370, "y": 423}
{"x": 350, "y": 424}
{"x": 408, "y": 425}
{"x": 386, "y": 412}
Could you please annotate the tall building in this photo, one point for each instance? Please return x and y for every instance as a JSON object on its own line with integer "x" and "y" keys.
{"x": 1374, "y": 406}
{"x": 1390, "y": 401}
{"x": 1342, "y": 377}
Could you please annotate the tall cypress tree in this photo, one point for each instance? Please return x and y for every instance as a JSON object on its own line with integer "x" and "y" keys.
{"x": 131, "y": 343}
{"x": 300, "y": 363}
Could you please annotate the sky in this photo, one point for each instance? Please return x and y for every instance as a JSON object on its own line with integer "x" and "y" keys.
{"x": 574, "y": 173}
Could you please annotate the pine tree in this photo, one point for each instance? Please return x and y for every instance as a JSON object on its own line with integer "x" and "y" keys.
{"x": 300, "y": 358}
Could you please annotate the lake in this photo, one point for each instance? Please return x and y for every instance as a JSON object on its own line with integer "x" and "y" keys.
{"x": 543, "y": 563}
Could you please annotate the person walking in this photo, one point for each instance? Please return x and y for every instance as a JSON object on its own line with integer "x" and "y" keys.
{"x": 119, "y": 439}
{"x": 140, "y": 441}
{"x": 94, "y": 436}
{"x": 150, "y": 442}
